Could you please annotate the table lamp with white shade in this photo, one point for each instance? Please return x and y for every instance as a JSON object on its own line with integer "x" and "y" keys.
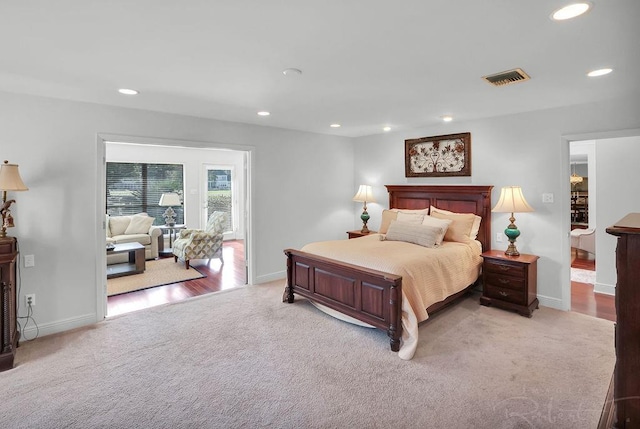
{"x": 512, "y": 201}
{"x": 169, "y": 200}
{"x": 10, "y": 180}
{"x": 364, "y": 195}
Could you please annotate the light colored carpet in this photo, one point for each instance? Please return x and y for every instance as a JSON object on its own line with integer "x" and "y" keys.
{"x": 157, "y": 273}
{"x": 243, "y": 359}
{"x": 583, "y": 276}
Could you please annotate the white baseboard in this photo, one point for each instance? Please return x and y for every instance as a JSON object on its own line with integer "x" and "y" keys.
{"x": 604, "y": 288}
{"x": 29, "y": 330}
{"x": 547, "y": 301}
{"x": 271, "y": 277}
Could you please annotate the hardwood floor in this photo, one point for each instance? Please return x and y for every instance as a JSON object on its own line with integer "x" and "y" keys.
{"x": 583, "y": 299}
{"x": 218, "y": 277}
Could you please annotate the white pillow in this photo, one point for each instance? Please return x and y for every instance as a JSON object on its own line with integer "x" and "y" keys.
{"x": 475, "y": 228}
{"x": 118, "y": 224}
{"x": 412, "y": 217}
{"x": 423, "y": 235}
{"x": 441, "y": 224}
{"x": 108, "y": 230}
{"x": 139, "y": 225}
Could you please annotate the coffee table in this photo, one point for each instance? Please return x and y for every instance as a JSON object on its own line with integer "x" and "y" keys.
{"x": 136, "y": 264}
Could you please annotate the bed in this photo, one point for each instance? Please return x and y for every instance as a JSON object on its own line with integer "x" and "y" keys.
{"x": 374, "y": 297}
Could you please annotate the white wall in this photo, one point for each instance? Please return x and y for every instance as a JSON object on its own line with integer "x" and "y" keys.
{"x": 194, "y": 160}
{"x": 617, "y": 187}
{"x": 302, "y": 189}
{"x": 528, "y": 149}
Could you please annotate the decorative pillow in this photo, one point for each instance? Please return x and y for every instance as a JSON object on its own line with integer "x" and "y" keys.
{"x": 118, "y": 224}
{"x": 460, "y": 227}
{"x": 392, "y": 214}
{"x": 421, "y": 211}
{"x": 423, "y": 235}
{"x": 139, "y": 225}
{"x": 476, "y": 221}
{"x": 441, "y": 224}
{"x": 387, "y": 217}
{"x": 410, "y": 217}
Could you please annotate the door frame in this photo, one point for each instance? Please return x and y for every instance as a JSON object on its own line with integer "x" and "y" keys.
{"x": 101, "y": 186}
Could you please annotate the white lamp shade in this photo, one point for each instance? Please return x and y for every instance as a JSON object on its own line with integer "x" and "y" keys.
{"x": 10, "y": 179}
{"x": 512, "y": 201}
{"x": 169, "y": 199}
{"x": 364, "y": 195}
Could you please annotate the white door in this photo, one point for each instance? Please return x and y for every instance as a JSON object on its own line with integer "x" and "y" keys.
{"x": 220, "y": 194}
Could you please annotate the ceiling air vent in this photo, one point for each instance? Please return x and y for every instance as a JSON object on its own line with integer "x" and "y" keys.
{"x": 507, "y": 77}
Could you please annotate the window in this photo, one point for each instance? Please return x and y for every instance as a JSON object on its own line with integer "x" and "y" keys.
{"x": 136, "y": 187}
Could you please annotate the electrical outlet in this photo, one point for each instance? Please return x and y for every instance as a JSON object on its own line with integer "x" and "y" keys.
{"x": 29, "y": 261}
{"x": 547, "y": 198}
{"x": 30, "y": 299}
{"x": 499, "y": 237}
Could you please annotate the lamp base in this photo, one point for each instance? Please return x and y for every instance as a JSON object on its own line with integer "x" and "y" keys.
{"x": 512, "y": 233}
{"x": 365, "y": 218}
{"x": 511, "y": 250}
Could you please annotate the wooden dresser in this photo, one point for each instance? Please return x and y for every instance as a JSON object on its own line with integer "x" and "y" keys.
{"x": 8, "y": 321}
{"x": 626, "y": 377}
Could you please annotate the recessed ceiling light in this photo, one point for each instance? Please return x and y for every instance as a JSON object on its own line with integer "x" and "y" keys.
{"x": 447, "y": 118}
{"x": 570, "y": 11}
{"x": 335, "y": 125}
{"x": 127, "y": 91}
{"x": 291, "y": 72}
{"x": 599, "y": 72}
{"x": 386, "y": 129}
{"x": 264, "y": 113}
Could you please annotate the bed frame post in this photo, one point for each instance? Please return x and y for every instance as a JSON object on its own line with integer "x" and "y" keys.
{"x": 288, "y": 290}
{"x": 394, "y": 333}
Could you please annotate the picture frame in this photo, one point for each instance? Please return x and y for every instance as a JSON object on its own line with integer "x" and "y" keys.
{"x": 438, "y": 156}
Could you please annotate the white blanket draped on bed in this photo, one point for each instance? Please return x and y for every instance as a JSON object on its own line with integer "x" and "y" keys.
{"x": 428, "y": 275}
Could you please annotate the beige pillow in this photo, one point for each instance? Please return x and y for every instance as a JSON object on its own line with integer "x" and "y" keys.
{"x": 476, "y": 221}
{"x": 441, "y": 224}
{"x": 421, "y": 211}
{"x": 139, "y": 225}
{"x": 387, "y": 217}
{"x": 392, "y": 214}
{"x": 423, "y": 235}
{"x": 118, "y": 224}
{"x": 410, "y": 217}
{"x": 460, "y": 227}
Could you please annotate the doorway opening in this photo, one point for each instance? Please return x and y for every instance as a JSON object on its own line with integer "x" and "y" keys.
{"x": 207, "y": 275}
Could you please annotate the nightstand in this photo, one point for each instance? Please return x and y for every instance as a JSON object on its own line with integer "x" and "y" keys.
{"x": 358, "y": 233}
{"x": 510, "y": 282}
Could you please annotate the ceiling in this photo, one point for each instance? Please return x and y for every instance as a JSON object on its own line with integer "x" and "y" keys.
{"x": 365, "y": 64}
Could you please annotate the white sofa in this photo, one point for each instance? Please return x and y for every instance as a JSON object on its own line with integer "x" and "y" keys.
{"x": 136, "y": 228}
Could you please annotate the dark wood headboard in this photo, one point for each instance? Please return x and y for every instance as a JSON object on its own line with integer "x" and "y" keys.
{"x": 455, "y": 198}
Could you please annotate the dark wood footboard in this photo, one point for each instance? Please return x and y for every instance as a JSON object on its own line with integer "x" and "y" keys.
{"x": 371, "y": 296}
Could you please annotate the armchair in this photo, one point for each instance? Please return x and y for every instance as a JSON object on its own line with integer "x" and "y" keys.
{"x": 201, "y": 244}
{"x": 584, "y": 239}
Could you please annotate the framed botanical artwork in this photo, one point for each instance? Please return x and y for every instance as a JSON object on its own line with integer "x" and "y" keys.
{"x": 438, "y": 156}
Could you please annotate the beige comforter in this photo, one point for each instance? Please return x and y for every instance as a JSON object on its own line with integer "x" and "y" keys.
{"x": 428, "y": 275}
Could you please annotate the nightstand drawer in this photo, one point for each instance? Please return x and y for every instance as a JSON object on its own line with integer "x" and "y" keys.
{"x": 515, "y": 283}
{"x": 504, "y": 294}
{"x": 504, "y": 269}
